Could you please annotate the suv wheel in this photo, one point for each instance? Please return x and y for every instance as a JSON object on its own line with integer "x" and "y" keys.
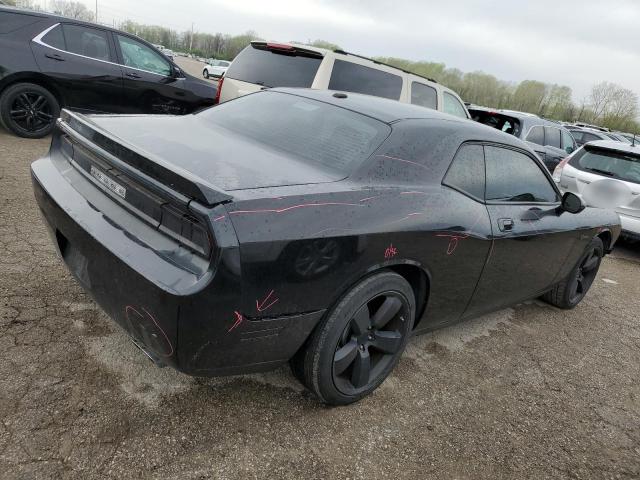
{"x": 205, "y": 73}
{"x": 28, "y": 110}
{"x": 359, "y": 342}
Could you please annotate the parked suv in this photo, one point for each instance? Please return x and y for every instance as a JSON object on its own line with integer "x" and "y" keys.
{"x": 606, "y": 174}
{"x": 49, "y": 62}
{"x": 215, "y": 68}
{"x": 549, "y": 139}
{"x": 585, "y": 135}
{"x": 264, "y": 64}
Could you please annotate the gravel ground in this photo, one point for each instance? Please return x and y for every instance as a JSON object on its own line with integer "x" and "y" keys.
{"x": 528, "y": 392}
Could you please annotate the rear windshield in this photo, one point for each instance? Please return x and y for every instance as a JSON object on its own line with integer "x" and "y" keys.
{"x": 497, "y": 120}
{"x": 274, "y": 68}
{"x": 324, "y": 135}
{"x": 608, "y": 164}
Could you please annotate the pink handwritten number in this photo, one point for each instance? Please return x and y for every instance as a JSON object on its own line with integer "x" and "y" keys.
{"x": 390, "y": 252}
{"x": 239, "y": 319}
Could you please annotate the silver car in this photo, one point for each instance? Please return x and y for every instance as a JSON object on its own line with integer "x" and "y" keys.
{"x": 605, "y": 174}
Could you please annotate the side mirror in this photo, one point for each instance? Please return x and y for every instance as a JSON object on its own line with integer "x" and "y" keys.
{"x": 177, "y": 73}
{"x": 572, "y": 203}
{"x": 570, "y": 149}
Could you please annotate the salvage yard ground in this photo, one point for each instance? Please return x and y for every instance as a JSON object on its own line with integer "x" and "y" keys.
{"x": 528, "y": 392}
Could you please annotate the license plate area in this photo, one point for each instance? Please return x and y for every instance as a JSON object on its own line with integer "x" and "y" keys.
{"x": 107, "y": 182}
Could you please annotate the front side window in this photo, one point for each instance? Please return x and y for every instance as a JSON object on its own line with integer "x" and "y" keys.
{"x": 552, "y": 136}
{"x": 453, "y": 106}
{"x": 89, "y": 42}
{"x": 536, "y": 135}
{"x": 138, "y": 55}
{"x": 322, "y": 135}
{"x": 466, "y": 172}
{"x": 515, "y": 177}
{"x": 424, "y": 95}
{"x": 351, "y": 77}
{"x": 568, "y": 143}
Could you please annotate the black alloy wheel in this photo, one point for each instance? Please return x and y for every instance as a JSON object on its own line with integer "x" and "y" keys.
{"x": 585, "y": 274}
{"x": 354, "y": 348}
{"x": 370, "y": 342}
{"x": 28, "y": 110}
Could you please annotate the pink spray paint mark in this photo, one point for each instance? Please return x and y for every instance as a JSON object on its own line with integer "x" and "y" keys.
{"x": 402, "y": 160}
{"x": 390, "y": 252}
{"x": 221, "y": 217}
{"x": 293, "y": 207}
{"x": 239, "y": 320}
{"x": 130, "y": 308}
{"x": 261, "y": 307}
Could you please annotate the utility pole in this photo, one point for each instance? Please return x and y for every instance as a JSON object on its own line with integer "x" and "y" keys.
{"x": 96, "y": 11}
{"x": 191, "y": 39}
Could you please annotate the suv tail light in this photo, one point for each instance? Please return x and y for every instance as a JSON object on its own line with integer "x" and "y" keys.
{"x": 216, "y": 99}
{"x": 557, "y": 173}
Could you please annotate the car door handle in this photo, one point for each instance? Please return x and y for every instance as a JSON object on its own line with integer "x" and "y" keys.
{"x": 505, "y": 224}
{"x": 133, "y": 75}
{"x": 54, "y": 56}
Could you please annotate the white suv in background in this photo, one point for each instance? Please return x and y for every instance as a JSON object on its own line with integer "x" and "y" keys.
{"x": 265, "y": 64}
{"x": 215, "y": 68}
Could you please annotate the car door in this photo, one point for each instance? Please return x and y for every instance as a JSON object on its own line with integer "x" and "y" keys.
{"x": 553, "y": 147}
{"x": 80, "y": 61}
{"x": 531, "y": 237}
{"x": 149, "y": 85}
{"x": 535, "y": 139}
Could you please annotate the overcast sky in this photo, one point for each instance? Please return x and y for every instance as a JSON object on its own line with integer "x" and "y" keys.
{"x": 570, "y": 42}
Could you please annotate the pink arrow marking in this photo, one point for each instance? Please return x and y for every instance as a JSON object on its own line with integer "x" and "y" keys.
{"x": 260, "y": 306}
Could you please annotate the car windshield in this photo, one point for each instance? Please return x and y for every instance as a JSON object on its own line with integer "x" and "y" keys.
{"x": 609, "y": 163}
{"x": 317, "y": 132}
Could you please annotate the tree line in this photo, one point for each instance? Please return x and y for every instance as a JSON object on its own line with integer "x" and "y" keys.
{"x": 607, "y": 104}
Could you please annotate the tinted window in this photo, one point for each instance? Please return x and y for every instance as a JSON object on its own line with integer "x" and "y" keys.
{"x": 576, "y": 134}
{"x": 10, "y": 22}
{"x": 552, "y": 136}
{"x": 424, "y": 95}
{"x": 467, "y": 171}
{"x": 608, "y": 164}
{"x": 55, "y": 38}
{"x": 138, "y": 55}
{"x": 271, "y": 68}
{"x": 589, "y": 137}
{"x": 351, "y": 77}
{"x": 89, "y": 42}
{"x": 514, "y": 177}
{"x": 453, "y": 106}
{"x": 536, "y": 135}
{"x": 321, "y": 134}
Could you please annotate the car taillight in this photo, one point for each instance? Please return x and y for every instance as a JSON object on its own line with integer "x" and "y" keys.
{"x": 557, "y": 173}
{"x": 216, "y": 99}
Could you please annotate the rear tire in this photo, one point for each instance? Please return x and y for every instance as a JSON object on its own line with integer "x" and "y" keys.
{"x": 359, "y": 342}
{"x": 570, "y": 291}
{"x": 28, "y": 110}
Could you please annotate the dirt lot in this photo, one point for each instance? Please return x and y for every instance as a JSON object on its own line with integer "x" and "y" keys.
{"x": 529, "y": 392}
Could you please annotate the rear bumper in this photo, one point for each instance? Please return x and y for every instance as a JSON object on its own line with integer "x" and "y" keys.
{"x": 186, "y": 318}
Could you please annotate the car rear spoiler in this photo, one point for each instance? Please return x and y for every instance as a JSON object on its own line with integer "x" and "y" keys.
{"x": 77, "y": 125}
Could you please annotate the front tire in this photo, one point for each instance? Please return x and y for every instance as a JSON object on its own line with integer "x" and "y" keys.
{"x": 570, "y": 291}
{"x": 28, "y": 110}
{"x": 205, "y": 73}
{"x": 359, "y": 342}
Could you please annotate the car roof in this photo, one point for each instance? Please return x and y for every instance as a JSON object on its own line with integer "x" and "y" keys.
{"x": 614, "y": 146}
{"x": 391, "y": 111}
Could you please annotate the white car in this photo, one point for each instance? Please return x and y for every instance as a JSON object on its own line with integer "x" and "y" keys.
{"x": 215, "y": 68}
{"x": 605, "y": 174}
{"x": 264, "y": 64}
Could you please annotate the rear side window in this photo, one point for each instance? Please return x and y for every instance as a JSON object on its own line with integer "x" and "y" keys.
{"x": 351, "y": 77}
{"x": 552, "y": 136}
{"x": 466, "y": 172}
{"x": 10, "y": 22}
{"x": 453, "y": 106}
{"x": 536, "y": 135}
{"x": 272, "y": 68}
{"x": 88, "y": 42}
{"x": 424, "y": 95}
{"x": 55, "y": 38}
{"x": 608, "y": 164}
{"x": 515, "y": 177}
{"x": 318, "y": 133}
{"x": 577, "y": 135}
{"x": 567, "y": 142}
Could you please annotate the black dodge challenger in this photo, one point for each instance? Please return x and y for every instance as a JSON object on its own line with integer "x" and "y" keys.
{"x": 313, "y": 227}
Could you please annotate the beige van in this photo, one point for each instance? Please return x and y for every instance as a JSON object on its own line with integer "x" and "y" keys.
{"x": 265, "y": 64}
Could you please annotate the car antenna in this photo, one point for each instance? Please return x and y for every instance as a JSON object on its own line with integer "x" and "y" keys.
{"x": 634, "y": 140}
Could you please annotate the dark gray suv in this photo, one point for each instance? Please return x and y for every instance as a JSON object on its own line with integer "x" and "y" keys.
{"x": 550, "y": 140}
